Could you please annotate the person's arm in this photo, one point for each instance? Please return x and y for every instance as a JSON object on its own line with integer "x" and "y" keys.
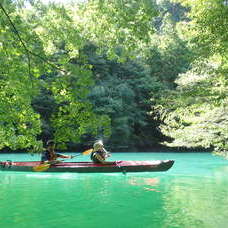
{"x": 44, "y": 157}
{"x": 102, "y": 161}
{"x": 107, "y": 154}
{"x": 100, "y": 158}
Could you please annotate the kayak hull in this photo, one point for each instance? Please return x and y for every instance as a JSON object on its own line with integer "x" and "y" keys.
{"x": 90, "y": 167}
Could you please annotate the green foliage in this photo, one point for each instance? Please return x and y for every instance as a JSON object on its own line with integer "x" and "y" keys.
{"x": 63, "y": 33}
{"x": 207, "y": 30}
{"x": 168, "y": 57}
{"x": 123, "y": 92}
{"x": 21, "y": 65}
{"x": 19, "y": 124}
{"x": 195, "y": 115}
{"x": 75, "y": 116}
{"x": 125, "y": 23}
{"x": 66, "y": 73}
{"x": 167, "y": 9}
{"x": 42, "y": 40}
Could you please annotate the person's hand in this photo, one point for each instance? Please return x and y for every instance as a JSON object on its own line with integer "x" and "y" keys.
{"x": 108, "y": 154}
{"x": 53, "y": 162}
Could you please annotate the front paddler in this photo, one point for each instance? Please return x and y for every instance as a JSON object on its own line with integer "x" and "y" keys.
{"x": 50, "y": 156}
{"x": 99, "y": 154}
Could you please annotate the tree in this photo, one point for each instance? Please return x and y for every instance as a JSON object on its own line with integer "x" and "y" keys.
{"x": 41, "y": 40}
{"x": 123, "y": 92}
{"x": 195, "y": 113}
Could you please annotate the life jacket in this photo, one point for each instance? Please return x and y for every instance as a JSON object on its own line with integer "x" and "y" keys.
{"x": 94, "y": 158}
{"x": 46, "y": 156}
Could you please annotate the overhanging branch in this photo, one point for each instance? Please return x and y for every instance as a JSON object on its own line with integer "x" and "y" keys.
{"x": 28, "y": 52}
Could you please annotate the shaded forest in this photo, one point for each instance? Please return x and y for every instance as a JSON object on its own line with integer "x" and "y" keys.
{"x": 140, "y": 75}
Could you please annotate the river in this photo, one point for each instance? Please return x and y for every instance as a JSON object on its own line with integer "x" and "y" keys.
{"x": 192, "y": 194}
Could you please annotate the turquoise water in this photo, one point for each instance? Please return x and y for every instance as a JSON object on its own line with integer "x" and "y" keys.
{"x": 192, "y": 194}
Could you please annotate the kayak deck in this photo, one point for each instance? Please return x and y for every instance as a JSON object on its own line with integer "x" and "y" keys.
{"x": 90, "y": 167}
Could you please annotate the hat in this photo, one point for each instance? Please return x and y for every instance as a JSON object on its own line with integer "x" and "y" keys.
{"x": 98, "y": 145}
{"x": 50, "y": 142}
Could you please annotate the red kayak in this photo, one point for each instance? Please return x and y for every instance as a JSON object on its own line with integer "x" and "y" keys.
{"x": 90, "y": 167}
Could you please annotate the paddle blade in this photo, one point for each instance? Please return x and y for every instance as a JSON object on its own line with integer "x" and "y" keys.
{"x": 86, "y": 152}
{"x": 41, "y": 168}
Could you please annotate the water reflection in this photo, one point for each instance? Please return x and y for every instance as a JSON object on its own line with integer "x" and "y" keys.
{"x": 5, "y": 180}
{"x": 145, "y": 182}
{"x": 194, "y": 201}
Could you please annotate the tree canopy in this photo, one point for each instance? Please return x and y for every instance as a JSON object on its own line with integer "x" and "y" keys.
{"x": 40, "y": 40}
{"x": 195, "y": 114}
{"x": 138, "y": 74}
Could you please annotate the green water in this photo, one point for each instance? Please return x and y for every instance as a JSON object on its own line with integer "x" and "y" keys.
{"x": 193, "y": 193}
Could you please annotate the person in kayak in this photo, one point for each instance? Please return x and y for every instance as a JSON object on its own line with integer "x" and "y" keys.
{"x": 99, "y": 154}
{"x": 49, "y": 155}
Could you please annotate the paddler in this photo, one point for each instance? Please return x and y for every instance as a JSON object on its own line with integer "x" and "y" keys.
{"x": 99, "y": 154}
{"x": 49, "y": 155}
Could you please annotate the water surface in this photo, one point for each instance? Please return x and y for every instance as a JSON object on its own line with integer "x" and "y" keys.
{"x": 193, "y": 193}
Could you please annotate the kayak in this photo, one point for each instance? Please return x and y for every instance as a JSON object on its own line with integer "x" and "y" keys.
{"x": 90, "y": 167}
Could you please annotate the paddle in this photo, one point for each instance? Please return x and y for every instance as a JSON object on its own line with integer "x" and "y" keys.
{"x": 46, "y": 166}
{"x": 87, "y": 152}
{"x": 41, "y": 167}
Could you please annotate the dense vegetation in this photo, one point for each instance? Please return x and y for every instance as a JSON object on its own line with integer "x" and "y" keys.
{"x": 195, "y": 114}
{"x": 141, "y": 75}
